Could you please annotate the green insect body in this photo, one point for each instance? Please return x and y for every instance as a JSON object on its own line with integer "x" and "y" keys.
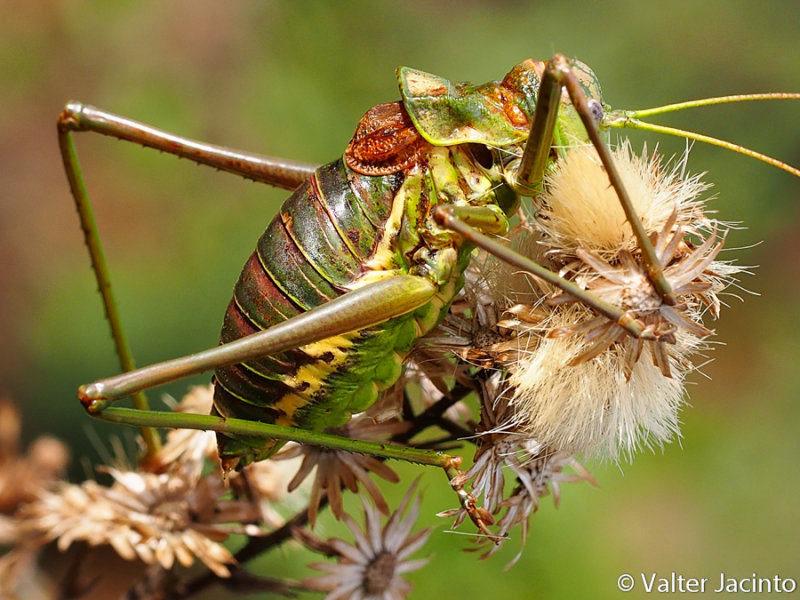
{"x": 366, "y": 217}
{"x": 321, "y": 384}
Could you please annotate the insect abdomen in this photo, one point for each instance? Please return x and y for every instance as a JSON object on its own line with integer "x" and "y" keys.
{"x": 314, "y": 247}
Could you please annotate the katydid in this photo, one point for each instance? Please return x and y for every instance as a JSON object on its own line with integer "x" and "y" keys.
{"x": 368, "y": 253}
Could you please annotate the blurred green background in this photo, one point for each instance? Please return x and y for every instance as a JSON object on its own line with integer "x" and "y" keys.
{"x": 292, "y": 79}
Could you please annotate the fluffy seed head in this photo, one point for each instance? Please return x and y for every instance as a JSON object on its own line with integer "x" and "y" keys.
{"x": 582, "y": 210}
{"x": 579, "y": 383}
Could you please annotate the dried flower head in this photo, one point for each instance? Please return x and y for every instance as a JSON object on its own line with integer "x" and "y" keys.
{"x": 23, "y": 475}
{"x": 162, "y": 518}
{"x": 580, "y": 384}
{"x": 337, "y": 469}
{"x": 502, "y": 451}
{"x": 158, "y": 518}
{"x": 372, "y": 567}
{"x": 580, "y": 209}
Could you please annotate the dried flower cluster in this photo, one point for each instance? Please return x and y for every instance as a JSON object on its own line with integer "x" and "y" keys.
{"x": 579, "y": 383}
{"x": 337, "y": 470}
{"x": 563, "y": 380}
{"x": 161, "y": 518}
{"x": 537, "y": 470}
{"x": 178, "y": 508}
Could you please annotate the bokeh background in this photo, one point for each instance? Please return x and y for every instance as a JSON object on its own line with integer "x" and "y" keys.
{"x": 292, "y": 79}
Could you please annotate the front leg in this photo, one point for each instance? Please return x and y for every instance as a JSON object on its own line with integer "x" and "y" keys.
{"x": 446, "y": 217}
{"x": 558, "y": 76}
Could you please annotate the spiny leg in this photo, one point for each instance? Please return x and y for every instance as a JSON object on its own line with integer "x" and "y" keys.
{"x": 559, "y": 75}
{"x": 364, "y": 307}
{"x": 278, "y": 172}
{"x": 458, "y": 221}
{"x": 80, "y": 117}
{"x": 254, "y": 429}
{"x": 91, "y": 237}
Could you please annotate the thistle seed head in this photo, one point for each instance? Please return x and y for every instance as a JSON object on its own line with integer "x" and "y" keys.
{"x": 580, "y": 209}
{"x": 578, "y": 382}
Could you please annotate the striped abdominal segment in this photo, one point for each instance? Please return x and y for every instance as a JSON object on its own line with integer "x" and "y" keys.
{"x": 341, "y": 231}
{"x": 318, "y": 244}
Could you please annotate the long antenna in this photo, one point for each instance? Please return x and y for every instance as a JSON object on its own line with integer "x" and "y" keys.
{"x": 630, "y": 119}
{"x": 660, "y": 110}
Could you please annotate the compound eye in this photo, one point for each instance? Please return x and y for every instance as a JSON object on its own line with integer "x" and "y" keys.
{"x": 597, "y": 110}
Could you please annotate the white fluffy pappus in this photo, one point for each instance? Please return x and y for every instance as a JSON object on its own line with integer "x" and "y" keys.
{"x": 591, "y": 407}
{"x": 579, "y": 383}
{"x": 580, "y": 208}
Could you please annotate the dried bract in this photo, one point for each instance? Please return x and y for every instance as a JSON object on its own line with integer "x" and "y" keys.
{"x": 338, "y": 469}
{"x": 191, "y": 444}
{"x": 502, "y": 451}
